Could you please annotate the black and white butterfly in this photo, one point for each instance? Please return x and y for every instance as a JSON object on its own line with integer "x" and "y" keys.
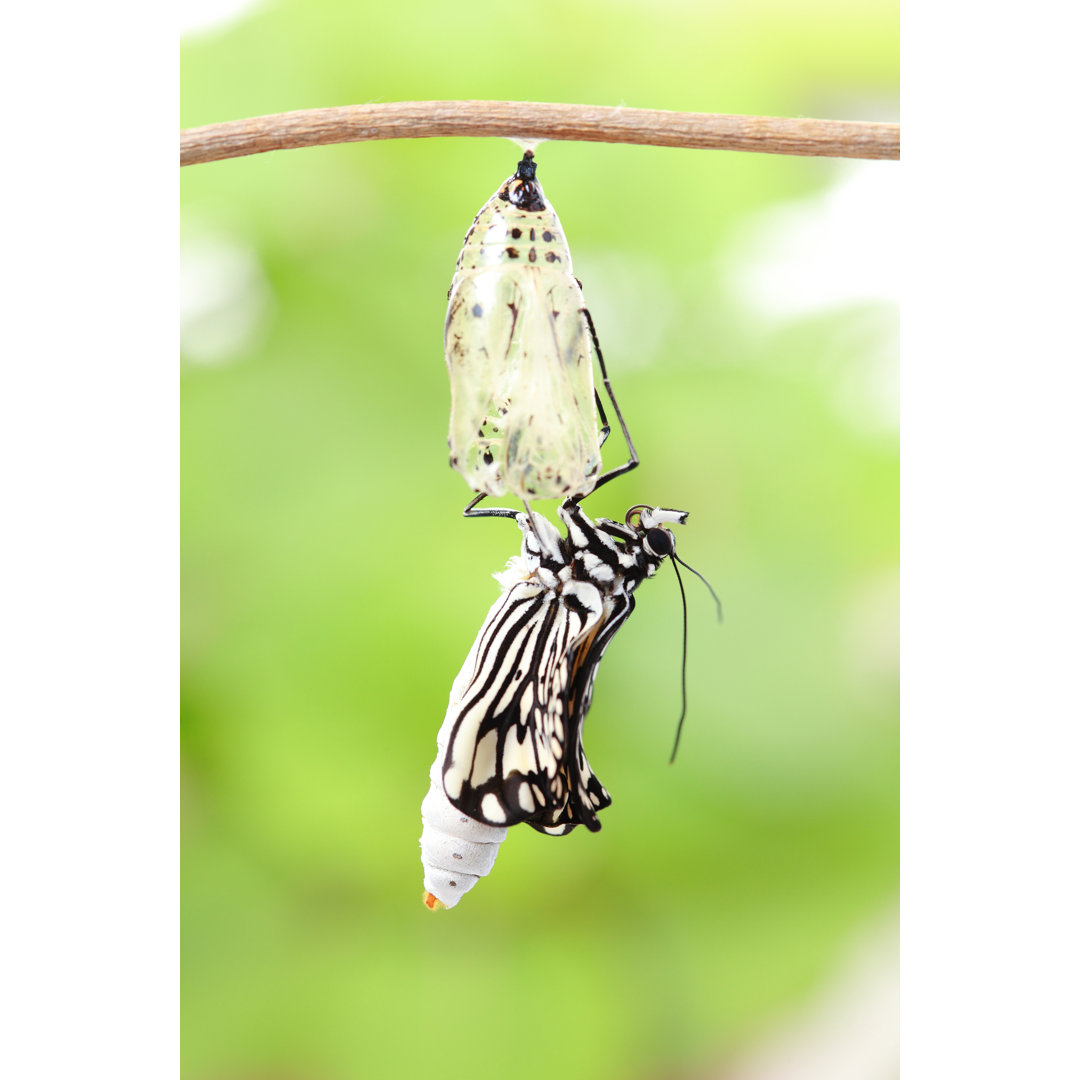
{"x": 510, "y": 749}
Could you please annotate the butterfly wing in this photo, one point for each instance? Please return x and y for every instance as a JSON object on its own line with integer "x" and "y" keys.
{"x": 587, "y": 795}
{"x": 514, "y": 749}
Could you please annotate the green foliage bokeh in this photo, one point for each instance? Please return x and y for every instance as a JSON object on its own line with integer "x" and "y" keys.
{"x": 331, "y": 589}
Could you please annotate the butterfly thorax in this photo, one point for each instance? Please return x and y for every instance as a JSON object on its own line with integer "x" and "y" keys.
{"x": 603, "y": 553}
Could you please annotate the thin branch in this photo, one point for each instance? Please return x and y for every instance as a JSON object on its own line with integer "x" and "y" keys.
{"x": 539, "y": 120}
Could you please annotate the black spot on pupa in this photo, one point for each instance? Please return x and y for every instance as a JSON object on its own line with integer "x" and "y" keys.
{"x": 532, "y": 254}
{"x": 547, "y": 236}
{"x": 552, "y": 257}
{"x": 515, "y": 233}
{"x": 532, "y": 234}
{"x": 512, "y": 252}
{"x": 477, "y": 310}
{"x": 489, "y": 458}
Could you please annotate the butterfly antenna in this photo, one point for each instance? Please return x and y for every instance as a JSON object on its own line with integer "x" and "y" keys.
{"x": 719, "y": 609}
{"x": 677, "y": 562}
{"x": 682, "y": 715}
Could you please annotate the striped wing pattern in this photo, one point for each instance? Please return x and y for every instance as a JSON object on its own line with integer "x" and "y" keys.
{"x": 514, "y": 750}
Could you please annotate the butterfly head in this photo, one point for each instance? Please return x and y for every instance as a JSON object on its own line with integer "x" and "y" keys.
{"x": 648, "y": 522}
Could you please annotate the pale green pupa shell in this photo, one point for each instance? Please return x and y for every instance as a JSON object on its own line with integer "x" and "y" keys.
{"x": 520, "y": 355}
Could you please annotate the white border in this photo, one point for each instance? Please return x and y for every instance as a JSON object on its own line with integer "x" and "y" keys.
{"x": 89, "y": 452}
{"x": 990, "y": 544}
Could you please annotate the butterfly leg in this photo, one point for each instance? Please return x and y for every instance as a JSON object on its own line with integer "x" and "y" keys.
{"x": 470, "y": 511}
{"x": 633, "y": 462}
{"x": 605, "y": 427}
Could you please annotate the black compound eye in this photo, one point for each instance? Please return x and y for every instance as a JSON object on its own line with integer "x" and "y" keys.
{"x": 659, "y": 542}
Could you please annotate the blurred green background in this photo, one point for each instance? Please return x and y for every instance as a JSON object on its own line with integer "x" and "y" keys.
{"x": 331, "y": 589}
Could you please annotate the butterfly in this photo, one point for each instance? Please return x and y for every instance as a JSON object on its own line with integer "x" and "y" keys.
{"x": 510, "y": 748}
{"x": 519, "y": 346}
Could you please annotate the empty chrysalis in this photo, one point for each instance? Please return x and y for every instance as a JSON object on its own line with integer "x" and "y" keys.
{"x": 510, "y": 748}
{"x": 519, "y": 346}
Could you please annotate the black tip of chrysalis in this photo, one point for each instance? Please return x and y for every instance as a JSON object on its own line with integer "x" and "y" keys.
{"x": 524, "y": 189}
{"x": 526, "y": 169}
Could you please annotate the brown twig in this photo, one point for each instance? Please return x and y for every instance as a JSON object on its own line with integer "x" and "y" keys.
{"x": 539, "y": 120}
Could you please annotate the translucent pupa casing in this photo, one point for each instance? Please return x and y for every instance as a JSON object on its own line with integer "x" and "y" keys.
{"x": 519, "y": 352}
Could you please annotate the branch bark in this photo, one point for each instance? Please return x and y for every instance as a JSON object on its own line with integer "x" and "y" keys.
{"x": 539, "y": 120}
